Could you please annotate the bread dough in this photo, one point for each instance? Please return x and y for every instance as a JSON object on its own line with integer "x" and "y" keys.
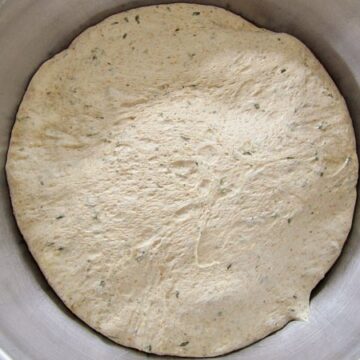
{"x": 183, "y": 178}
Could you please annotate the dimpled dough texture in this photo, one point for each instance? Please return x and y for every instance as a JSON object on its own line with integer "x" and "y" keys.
{"x": 183, "y": 178}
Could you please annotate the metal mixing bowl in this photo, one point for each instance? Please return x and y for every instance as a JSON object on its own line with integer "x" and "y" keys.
{"x": 34, "y": 324}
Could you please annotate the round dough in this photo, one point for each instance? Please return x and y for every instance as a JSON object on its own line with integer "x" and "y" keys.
{"x": 183, "y": 178}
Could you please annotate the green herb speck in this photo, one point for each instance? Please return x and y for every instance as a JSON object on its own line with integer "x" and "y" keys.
{"x": 60, "y": 217}
{"x": 321, "y": 174}
{"x": 124, "y": 36}
{"x": 196, "y": 13}
{"x": 219, "y": 313}
{"x": 257, "y": 106}
{"x": 61, "y": 248}
{"x": 137, "y": 19}
{"x": 184, "y": 343}
{"x": 289, "y": 220}
{"x": 283, "y": 70}
{"x": 126, "y": 19}
{"x": 102, "y": 283}
{"x": 185, "y": 137}
{"x": 247, "y": 153}
{"x": 94, "y": 57}
{"x": 290, "y": 158}
{"x": 177, "y": 293}
{"x": 114, "y": 23}
{"x": 149, "y": 348}
{"x": 177, "y": 29}
{"x": 228, "y": 267}
{"x": 294, "y": 296}
{"x": 41, "y": 182}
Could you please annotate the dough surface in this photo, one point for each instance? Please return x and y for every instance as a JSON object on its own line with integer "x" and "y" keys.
{"x": 183, "y": 178}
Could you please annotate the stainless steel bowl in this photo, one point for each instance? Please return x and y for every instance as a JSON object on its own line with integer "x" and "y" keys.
{"x": 34, "y": 324}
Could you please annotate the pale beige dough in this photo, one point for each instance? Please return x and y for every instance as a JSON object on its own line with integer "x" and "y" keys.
{"x": 183, "y": 178}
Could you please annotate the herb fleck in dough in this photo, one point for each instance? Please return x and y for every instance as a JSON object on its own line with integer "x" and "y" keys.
{"x": 183, "y": 178}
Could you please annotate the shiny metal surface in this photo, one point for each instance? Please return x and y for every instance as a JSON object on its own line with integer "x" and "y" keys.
{"x": 34, "y": 324}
